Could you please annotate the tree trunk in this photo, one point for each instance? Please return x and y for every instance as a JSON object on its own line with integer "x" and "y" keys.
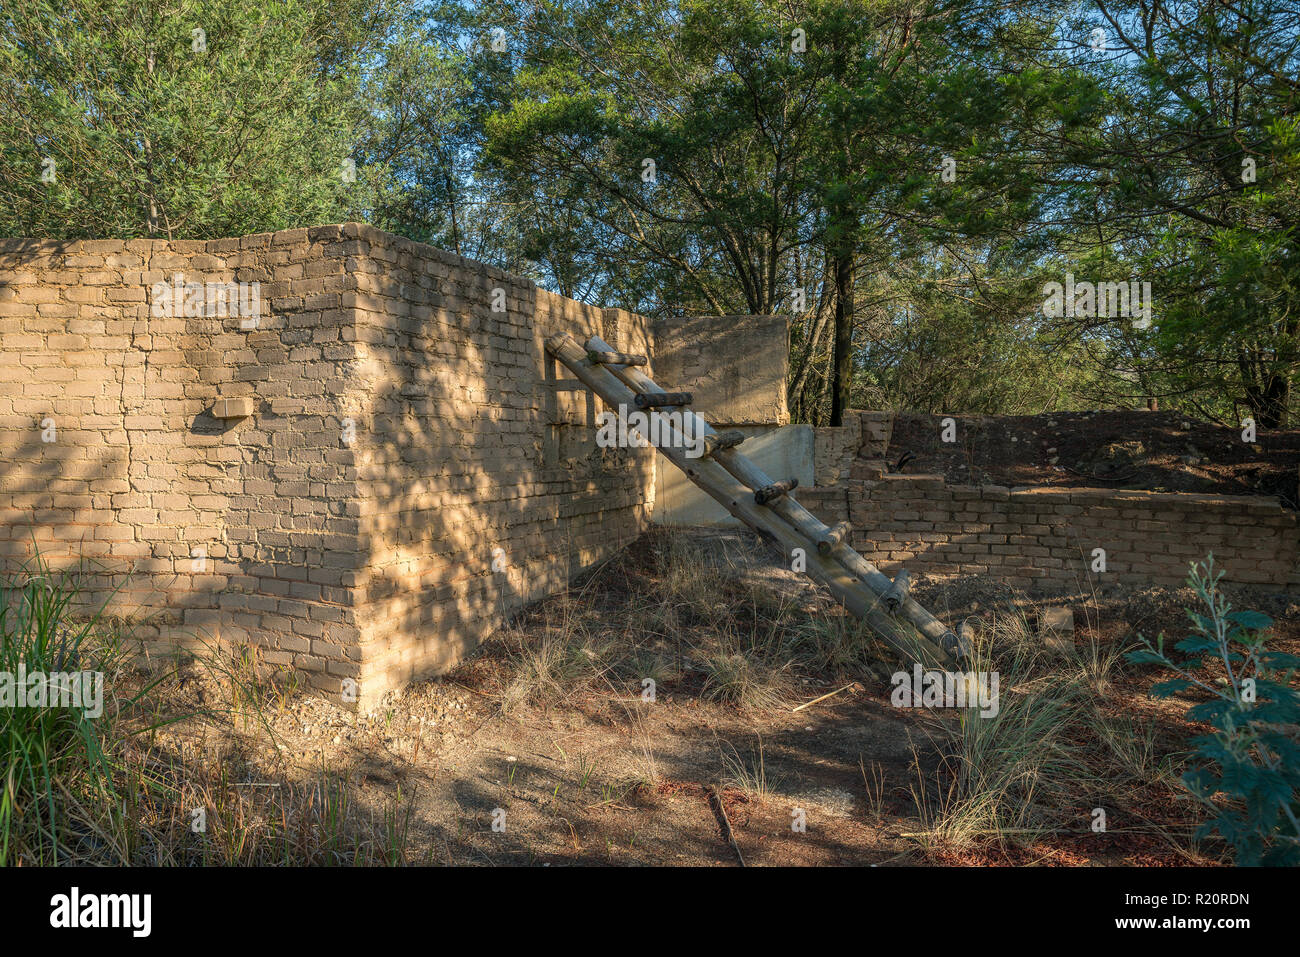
{"x": 1270, "y": 404}
{"x": 451, "y": 202}
{"x": 842, "y": 357}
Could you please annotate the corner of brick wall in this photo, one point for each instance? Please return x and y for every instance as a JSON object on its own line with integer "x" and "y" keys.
{"x": 366, "y": 560}
{"x": 864, "y": 436}
{"x": 481, "y": 483}
{"x": 200, "y": 530}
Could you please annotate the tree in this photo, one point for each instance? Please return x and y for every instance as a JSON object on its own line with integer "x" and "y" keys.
{"x": 1195, "y": 173}
{"x": 196, "y": 119}
{"x": 676, "y": 129}
{"x": 919, "y": 119}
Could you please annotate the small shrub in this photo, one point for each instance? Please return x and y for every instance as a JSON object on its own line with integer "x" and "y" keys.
{"x": 58, "y": 774}
{"x": 1009, "y": 774}
{"x": 1252, "y": 758}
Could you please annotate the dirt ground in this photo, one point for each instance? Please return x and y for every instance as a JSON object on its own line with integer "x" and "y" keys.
{"x": 1156, "y": 451}
{"x": 599, "y": 776}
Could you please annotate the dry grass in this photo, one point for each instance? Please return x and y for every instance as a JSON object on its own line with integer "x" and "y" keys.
{"x": 746, "y": 773}
{"x": 120, "y": 789}
{"x": 696, "y": 619}
{"x": 1064, "y": 740}
{"x": 1059, "y": 746}
{"x": 670, "y": 616}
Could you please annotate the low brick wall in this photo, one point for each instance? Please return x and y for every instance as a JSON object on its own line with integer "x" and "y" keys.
{"x": 1047, "y": 536}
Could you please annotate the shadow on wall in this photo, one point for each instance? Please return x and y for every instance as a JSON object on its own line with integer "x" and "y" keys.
{"x": 63, "y": 446}
{"x": 736, "y": 366}
{"x": 178, "y": 512}
{"x": 481, "y": 484}
{"x": 471, "y": 486}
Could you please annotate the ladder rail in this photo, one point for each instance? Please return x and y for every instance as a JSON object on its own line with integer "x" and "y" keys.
{"x": 733, "y": 494}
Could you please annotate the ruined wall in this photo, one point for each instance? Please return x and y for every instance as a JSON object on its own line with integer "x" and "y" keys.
{"x": 1047, "y": 536}
{"x": 481, "y": 484}
{"x": 399, "y": 425}
{"x": 195, "y": 527}
{"x": 864, "y": 437}
{"x": 736, "y": 366}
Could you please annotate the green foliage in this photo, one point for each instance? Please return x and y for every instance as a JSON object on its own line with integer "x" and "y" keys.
{"x": 1191, "y": 179}
{"x": 55, "y": 758}
{"x": 417, "y": 99}
{"x": 1247, "y": 772}
{"x": 148, "y": 136}
{"x": 1234, "y": 297}
{"x": 804, "y": 181}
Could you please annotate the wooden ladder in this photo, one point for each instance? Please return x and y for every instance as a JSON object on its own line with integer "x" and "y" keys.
{"x": 766, "y": 506}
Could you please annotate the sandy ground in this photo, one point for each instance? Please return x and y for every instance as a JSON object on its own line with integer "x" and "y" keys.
{"x": 606, "y": 778}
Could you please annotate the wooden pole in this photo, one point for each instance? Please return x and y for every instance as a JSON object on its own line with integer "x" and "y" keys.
{"x": 615, "y": 358}
{"x": 770, "y": 493}
{"x": 724, "y": 440}
{"x": 833, "y": 537}
{"x": 656, "y": 400}
{"x": 898, "y": 591}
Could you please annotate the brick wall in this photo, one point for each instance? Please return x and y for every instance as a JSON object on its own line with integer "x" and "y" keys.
{"x": 481, "y": 484}
{"x": 863, "y": 438}
{"x": 196, "y": 527}
{"x": 835, "y": 449}
{"x": 877, "y": 430}
{"x": 1047, "y": 536}
{"x": 401, "y": 430}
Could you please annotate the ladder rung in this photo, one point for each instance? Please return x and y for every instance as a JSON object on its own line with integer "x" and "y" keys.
{"x": 656, "y": 400}
{"x": 826, "y": 544}
{"x": 611, "y": 358}
{"x": 899, "y": 591}
{"x": 770, "y": 493}
{"x": 723, "y": 440}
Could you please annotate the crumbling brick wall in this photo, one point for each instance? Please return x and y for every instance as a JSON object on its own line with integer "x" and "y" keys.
{"x": 1048, "y": 536}
{"x": 481, "y": 484}
{"x": 864, "y": 437}
{"x": 836, "y": 449}
{"x": 401, "y": 430}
